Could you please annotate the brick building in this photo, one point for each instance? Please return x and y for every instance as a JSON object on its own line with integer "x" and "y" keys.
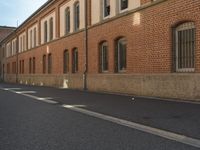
{"x": 5, "y": 31}
{"x": 140, "y": 47}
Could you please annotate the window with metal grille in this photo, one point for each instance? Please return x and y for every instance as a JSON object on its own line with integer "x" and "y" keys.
{"x": 185, "y": 47}
{"x": 44, "y": 64}
{"x": 67, "y": 20}
{"x": 106, "y": 8}
{"x": 51, "y": 29}
{"x": 120, "y": 55}
{"x": 123, "y": 4}
{"x": 103, "y": 57}
{"x": 76, "y": 16}
{"x": 49, "y": 63}
{"x": 75, "y": 60}
{"x": 66, "y": 61}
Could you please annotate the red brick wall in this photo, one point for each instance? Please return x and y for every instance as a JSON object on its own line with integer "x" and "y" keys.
{"x": 150, "y": 43}
{"x": 56, "y": 48}
{"x": 4, "y": 31}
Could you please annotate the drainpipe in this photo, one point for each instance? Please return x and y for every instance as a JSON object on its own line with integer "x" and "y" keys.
{"x": 85, "y": 47}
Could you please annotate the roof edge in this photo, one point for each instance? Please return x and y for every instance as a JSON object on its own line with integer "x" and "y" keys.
{"x": 46, "y": 4}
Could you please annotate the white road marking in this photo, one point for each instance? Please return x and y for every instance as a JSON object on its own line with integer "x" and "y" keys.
{"x": 7, "y": 89}
{"x": 44, "y": 99}
{"x": 158, "y": 132}
{"x": 24, "y": 93}
{"x": 154, "y": 131}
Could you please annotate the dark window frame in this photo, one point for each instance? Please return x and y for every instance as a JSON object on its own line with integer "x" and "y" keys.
{"x": 103, "y": 57}
{"x": 184, "y": 42}
{"x": 44, "y": 64}
{"x": 30, "y": 65}
{"x": 51, "y": 28}
{"x": 65, "y": 61}
{"x": 8, "y": 68}
{"x": 76, "y": 16}
{"x": 121, "y": 55}
{"x": 49, "y": 69}
{"x": 34, "y": 37}
{"x": 67, "y": 21}
{"x": 34, "y": 65}
{"x": 31, "y": 39}
{"x": 45, "y": 32}
{"x": 106, "y": 8}
{"x": 123, "y": 5}
{"x": 22, "y": 66}
{"x": 75, "y": 60}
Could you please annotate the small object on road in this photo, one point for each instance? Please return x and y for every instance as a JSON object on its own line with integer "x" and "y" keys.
{"x": 133, "y": 98}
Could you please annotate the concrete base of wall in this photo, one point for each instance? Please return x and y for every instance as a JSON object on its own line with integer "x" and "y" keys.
{"x": 180, "y": 86}
{"x": 74, "y": 81}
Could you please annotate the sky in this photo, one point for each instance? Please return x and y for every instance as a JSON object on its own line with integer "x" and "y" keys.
{"x": 13, "y": 11}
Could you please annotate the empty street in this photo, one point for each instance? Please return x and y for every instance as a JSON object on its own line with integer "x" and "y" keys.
{"x": 43, "y": 118}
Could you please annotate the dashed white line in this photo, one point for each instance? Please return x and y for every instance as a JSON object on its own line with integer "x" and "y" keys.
{"x": 154, "y": 131}
{"x": 7, "y": 89}
{"x": 158, "y": 132}
{"x": 44, "y": 99}
{"x": 25, "y": 93}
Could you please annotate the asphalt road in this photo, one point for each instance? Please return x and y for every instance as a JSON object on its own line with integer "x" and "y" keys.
{"x": 30, "y": 124}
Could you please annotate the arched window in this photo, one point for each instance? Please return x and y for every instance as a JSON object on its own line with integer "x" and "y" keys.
{"x": 103, "y": 57}
{"x": 24, "y": 42}
{"x": 30, "y": 65}
{"x": 34, "y": 37}
{"x": 67, "y": 20}
{"x": 120, "y": 55}
{"x": 44, "y": 64}
{"x": 31, "y": 35}
{"x": 75, "y": 60}
{"x": 51, "y": 29}
{"x": 33, "y": 65}
{"x": 76, "y": 16}
{"x": 45, "y": 32}
{"x": 8, "y": 68}
{"x": 184, "y": 42}
{"x": 22, "y": 66}
{"x": 49, "y": 63}
{"x": 21, "y": 44}
{"x": 66, "y": 61}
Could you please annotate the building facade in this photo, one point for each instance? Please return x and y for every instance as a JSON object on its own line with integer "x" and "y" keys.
{"x": 5, "y": 31}
{"x": 139, "y": 47}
